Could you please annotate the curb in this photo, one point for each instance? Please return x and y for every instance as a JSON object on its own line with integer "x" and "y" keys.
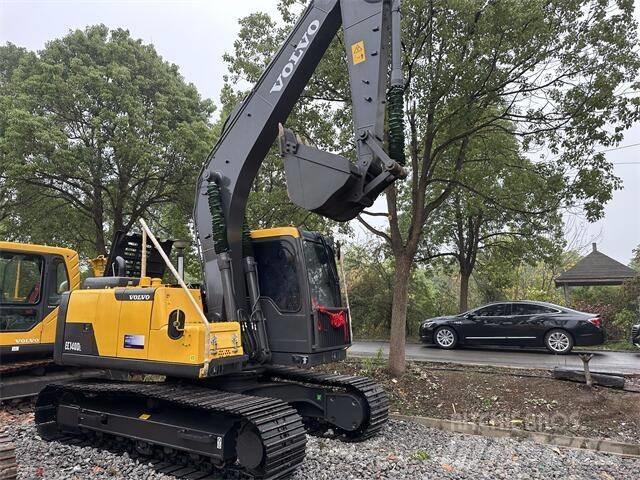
{"x": 583, "y": 443}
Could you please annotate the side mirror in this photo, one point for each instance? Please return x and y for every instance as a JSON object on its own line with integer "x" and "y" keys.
{"x": 470, "y": 316}
{"x": 63, "y": 287}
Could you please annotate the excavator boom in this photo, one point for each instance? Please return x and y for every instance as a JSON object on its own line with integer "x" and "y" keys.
{"x": 318, "y": 181}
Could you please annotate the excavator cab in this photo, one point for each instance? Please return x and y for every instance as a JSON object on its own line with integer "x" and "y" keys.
{"x": 33, "y": 279}
{"x": 307, "y": 322}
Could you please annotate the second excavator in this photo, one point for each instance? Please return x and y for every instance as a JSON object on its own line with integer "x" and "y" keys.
{"x": 235, "y": 397}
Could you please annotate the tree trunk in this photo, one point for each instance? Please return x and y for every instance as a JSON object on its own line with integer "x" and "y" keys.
{"x": 98, "y": 221}
{"x": 100, "y": 244}
{"x": 399, "y": 315}
{"x": 586, "y": 358}
{"x": 463, "y": 304}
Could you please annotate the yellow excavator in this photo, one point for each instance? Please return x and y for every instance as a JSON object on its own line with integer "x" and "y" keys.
{"x": 32, "y": 281}
{"x": 234, "y": 395}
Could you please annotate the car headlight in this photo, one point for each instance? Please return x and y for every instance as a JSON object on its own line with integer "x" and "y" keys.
{"x": 427, "y": 325}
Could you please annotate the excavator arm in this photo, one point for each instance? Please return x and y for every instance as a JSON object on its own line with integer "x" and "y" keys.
{"x": 325, "y": 183}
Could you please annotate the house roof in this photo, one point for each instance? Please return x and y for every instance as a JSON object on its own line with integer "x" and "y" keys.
{"x": 596, "y": 269}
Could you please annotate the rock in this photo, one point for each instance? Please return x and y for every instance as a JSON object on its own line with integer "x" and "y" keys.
{"x": 389, "y": 456}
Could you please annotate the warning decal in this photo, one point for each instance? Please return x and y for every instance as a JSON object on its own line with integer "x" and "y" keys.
{"x": 358, "y": 53}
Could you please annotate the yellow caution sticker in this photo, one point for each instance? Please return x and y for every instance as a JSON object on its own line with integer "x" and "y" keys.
{"x": 144, "y": 416}
{"x": 358, "y": 53}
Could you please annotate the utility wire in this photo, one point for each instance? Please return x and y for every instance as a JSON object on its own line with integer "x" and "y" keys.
{"x": 620, "y": 147}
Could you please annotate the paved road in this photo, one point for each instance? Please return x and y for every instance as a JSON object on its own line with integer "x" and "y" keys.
{"x": 613, "y": 362}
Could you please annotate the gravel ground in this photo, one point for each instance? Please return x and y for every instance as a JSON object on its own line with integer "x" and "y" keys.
{"x": 403, "y": 451}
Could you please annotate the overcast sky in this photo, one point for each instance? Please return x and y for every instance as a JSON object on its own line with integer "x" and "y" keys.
{"x": 194, "y": 34}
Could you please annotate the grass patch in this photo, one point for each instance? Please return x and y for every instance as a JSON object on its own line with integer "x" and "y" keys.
{"x": 625, "y": 345}
{"x": 421, "y": 455}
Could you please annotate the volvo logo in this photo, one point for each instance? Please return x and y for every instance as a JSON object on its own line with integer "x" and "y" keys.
{"x": 296, "y": 56}
{"x": 139, "y": 297}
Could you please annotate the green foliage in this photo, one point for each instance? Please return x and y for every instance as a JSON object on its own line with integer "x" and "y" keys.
{"x": 369, "y": 270}
{"x": 546, "y": 74}
{"x": 98, "y": 131}
{"x": 617, "y": 306}
{"x": 371, "y": 365}
{"x": 511, "y": 207}
{"x": 421, "y": 455}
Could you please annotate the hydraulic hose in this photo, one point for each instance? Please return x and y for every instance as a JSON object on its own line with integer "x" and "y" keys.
{"x": 218, "y": 224}
{"x": 395, "y": 95}
{"x": 221, "y": 247}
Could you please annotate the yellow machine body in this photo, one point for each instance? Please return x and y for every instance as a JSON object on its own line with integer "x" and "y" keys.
{"x": 140, "y": 325}
{"x": 32, "y": 280}
{"x": 150, "y": 328}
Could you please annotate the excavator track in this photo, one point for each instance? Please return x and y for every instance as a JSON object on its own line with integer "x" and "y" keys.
{"x": 23, "y": 366}
{"x": 21, "y": 380}
{"x": 250, "y": 437}
{"x": 8, "y": 464}
{"x": 372, "y": 393}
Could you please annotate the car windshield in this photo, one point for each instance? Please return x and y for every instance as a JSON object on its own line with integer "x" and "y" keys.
{"x": 323, "y": 276}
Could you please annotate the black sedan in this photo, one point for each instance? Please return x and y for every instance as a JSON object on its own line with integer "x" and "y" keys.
{"x": 635, "y": 335}
{"x": 523, "y": 324}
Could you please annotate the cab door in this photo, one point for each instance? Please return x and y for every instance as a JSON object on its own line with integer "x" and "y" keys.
{"x": 21, "y": 300}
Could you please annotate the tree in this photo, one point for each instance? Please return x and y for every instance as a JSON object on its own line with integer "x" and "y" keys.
{"x": 553, "y": 71}
{"x": 369, "y": 272}
{"x": 99, "y": 131}
{"x": 514, "y": 207}
{"x": 10, "y": 56}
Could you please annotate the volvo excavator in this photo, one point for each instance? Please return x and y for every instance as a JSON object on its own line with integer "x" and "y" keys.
{"x": 232, "y": 394}
{"x": 32, "y": 281}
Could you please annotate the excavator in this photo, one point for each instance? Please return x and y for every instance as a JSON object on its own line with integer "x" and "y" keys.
{"x": 228, "y": 389}
{"x": 32, "y": 280}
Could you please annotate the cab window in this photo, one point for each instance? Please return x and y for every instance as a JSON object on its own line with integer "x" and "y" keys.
{"x": 20, "y": 278}
{"x": 60, "y": 282}
{"x": 16, "y": 319}
{"x": 278, "y": 273}
{"x": 323, "y": 281}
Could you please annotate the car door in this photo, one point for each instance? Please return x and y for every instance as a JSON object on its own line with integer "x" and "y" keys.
{"x": 488, "y": 325}
{"x": 530, "y": 323}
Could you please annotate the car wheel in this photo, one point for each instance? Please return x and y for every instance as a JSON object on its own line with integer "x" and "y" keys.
{"x": 446, "y": 337}
{"x": 558, "y": 341}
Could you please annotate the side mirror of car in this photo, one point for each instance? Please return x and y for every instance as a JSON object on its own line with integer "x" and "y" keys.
{"x": 470, "y": 316}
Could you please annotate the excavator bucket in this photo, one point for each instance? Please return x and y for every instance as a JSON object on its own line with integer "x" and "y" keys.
{"x": 328, "y": 184}
{"x": 319, "y": 181}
